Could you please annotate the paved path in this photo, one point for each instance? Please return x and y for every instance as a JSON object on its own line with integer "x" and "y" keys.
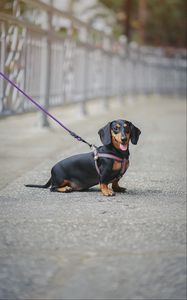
{"x": 83, "y": 245}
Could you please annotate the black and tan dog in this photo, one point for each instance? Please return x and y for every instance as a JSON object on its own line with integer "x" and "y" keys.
{"x": 105, "y": 165}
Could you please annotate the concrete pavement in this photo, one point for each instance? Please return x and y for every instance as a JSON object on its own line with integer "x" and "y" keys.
{"x": 83, "y": 245}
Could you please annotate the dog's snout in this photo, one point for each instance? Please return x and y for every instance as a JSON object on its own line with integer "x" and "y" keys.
{"x": 124, "y": 139}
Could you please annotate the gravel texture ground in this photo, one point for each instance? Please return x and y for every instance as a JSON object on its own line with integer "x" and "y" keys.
{"x": 83, "y": 245}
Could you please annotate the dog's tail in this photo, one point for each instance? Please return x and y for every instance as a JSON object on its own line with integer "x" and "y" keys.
{"x": 45, "y": 186}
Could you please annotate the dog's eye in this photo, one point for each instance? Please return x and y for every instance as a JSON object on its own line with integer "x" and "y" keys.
{"x": 116, "y": 129}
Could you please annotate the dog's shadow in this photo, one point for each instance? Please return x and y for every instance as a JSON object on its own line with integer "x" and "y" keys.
{"x": 128, "y": 192}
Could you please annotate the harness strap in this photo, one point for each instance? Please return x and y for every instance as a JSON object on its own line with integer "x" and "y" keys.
{"x": 111, "y": 156}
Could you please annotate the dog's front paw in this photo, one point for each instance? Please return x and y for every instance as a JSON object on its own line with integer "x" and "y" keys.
{"x": 119, "y": 189}
{"x": 106, "y": 191}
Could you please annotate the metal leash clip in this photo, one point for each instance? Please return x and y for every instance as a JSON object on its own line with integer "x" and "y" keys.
{"x": 94, "y": 149}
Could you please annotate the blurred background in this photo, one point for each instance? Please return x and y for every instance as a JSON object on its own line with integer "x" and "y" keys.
{"x": 67, "y": 51}
{"x": 90, "y": 62}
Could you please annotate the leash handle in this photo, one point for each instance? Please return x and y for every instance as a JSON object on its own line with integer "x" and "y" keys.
{"x": 44, "y": 110}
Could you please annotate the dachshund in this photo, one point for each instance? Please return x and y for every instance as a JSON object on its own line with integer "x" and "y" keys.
{"x": 104, "y": 165}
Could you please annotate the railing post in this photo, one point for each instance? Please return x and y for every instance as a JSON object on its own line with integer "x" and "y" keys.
{"x": 47, "y": 73}
{"x": 86, "y": 74}
{"x": 105, "y": 42}
{"x": 83, "y": 102}
{"x": 2, "y": 64}
{"x": 106, "y": 74}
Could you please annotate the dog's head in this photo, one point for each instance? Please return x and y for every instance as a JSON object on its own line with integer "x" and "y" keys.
{"x": 119, "y": 133}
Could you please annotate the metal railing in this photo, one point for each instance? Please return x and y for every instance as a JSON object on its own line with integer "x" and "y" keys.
{"x": 59, "y": 64}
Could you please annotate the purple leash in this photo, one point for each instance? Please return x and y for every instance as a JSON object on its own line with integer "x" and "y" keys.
{"x": 45, "y": 111}
{"x": 93, "y": 147}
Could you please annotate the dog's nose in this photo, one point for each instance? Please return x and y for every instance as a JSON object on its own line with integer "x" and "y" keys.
{"x": 123, "y": 139}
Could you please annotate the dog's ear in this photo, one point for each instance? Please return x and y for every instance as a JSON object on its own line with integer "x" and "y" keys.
{"x": 134, "y": 134}
{"x": 105, "y": 135}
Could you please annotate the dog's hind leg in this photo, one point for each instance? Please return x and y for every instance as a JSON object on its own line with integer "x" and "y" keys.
{"x": 65, "y": 187}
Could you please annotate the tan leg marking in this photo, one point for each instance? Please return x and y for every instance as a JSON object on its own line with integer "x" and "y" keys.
{"x": 65, "y": 188}
{"x": 106, "y": 191}
{"x": 116, "y": 166}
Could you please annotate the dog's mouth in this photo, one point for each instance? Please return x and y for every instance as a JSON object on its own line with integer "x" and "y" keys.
{"x": 123, "y": 147}
{"x": 120, "y": 145}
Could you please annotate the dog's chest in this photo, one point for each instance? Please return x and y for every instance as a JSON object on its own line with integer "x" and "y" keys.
{"x": 119, "y": 168}
{"x": 116, "y": 166}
